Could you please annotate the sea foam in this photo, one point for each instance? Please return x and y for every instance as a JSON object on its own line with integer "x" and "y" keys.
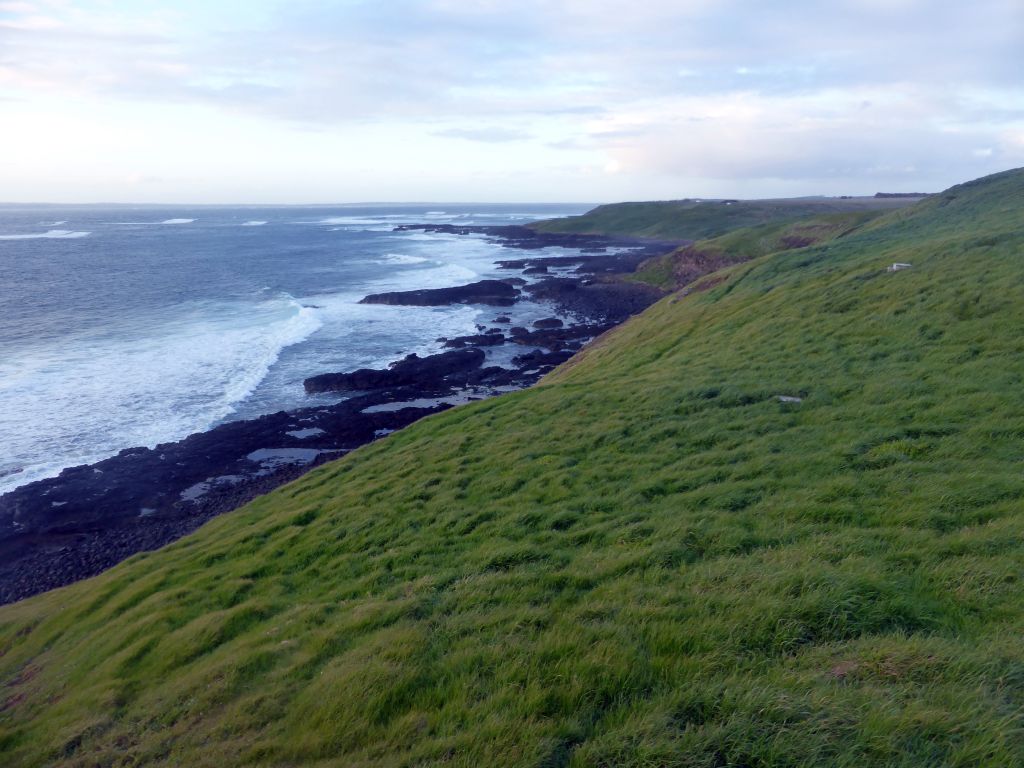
{"x": 53, "y": 234}
{"x": 177, "y": 221}
{"x": 402, "y": 258}
{"x": 85, "y": 398}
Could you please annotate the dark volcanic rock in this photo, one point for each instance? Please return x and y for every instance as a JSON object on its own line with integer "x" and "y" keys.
{"x": 493, "y": 292}
{"x": 553, "y": 288}
{"x": 610, "y": 301}
{"x": 537, "y": 359}
{"x": 485, "y": 375}
{"x": 539, "y": 270}
{"x": 412, "y": 370}
{"x": 557, "y": 338}
{"x": 503, "y": 319}
{"x": 548, "y": 322}
{"x": 496, "y": 376}
{"x": 481, "y": 340}
{"x": 525, "y": 238}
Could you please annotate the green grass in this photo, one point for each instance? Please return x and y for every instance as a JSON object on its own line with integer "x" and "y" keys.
{"x": 693, "y": 220}
{"x": 684, "y": 265}
{"x": 647, "y": 560}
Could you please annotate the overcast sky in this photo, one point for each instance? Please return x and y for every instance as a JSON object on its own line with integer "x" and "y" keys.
{"x": 486, "y": 100}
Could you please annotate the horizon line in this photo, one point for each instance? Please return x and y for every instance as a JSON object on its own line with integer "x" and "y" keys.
{"x": 694, "y": 198}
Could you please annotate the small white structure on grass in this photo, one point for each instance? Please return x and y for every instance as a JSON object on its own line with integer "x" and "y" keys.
{"x": 899, "y": 266}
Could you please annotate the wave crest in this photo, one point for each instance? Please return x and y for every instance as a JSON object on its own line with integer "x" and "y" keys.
{"x": 53, "y": 234}
{"x": 142, "y": 389}
{"x": 401, "y": 258}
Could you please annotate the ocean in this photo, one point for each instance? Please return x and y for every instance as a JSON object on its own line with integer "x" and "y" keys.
{"x": 127, "y": 326}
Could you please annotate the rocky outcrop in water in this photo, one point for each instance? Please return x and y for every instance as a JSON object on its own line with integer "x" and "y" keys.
{"x": 421, "y": 371}
{"x": 610, "y": 301}
{"x": 548, "y": 322}
{"x": 495, "y": 293}
{"x": 478, "y": 340}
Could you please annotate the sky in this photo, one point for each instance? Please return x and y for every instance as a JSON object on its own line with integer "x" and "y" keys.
{"x": 310, "y": 101}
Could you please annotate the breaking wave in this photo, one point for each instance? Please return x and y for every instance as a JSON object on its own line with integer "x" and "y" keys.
{"x": 53, "y": 234}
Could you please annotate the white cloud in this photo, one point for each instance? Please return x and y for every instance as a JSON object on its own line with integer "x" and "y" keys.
{"x": 819, "y": 137}
{"x": 487, "y": 135}
{"x": 691, "y": 89}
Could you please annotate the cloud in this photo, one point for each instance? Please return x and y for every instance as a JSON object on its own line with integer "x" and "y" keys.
{"x": 332, "y": 61}
{"x": 486, "y": 135}
{"x": 813, "y": 138}
{"x": 716, "y": 88}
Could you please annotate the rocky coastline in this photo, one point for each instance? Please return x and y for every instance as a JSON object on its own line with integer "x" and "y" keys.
{"x": 60, "y": 530}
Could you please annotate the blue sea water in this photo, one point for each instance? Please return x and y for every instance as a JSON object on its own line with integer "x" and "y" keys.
{"x": 131, "y": 326}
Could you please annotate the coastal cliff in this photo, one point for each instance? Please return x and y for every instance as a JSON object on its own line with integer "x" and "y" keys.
{"x": 772, "y": 520}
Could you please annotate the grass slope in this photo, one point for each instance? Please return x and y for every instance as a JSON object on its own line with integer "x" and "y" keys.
{"x": 684, "y": 265}
{"x": 695, "y": 220}
{"x": 646, "y": 560}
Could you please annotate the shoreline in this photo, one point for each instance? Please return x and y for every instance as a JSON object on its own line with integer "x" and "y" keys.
{"x": 60, "y": 530}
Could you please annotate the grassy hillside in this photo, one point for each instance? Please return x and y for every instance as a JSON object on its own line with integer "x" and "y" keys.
{"x": 647, "y": 560}
{"x": 696, "y": 220}
{"x": 684, "y": 265}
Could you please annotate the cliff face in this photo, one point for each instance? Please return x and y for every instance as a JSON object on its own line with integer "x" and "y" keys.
{"x": 690, "y": 262}
{"x": 775, "y": 521}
